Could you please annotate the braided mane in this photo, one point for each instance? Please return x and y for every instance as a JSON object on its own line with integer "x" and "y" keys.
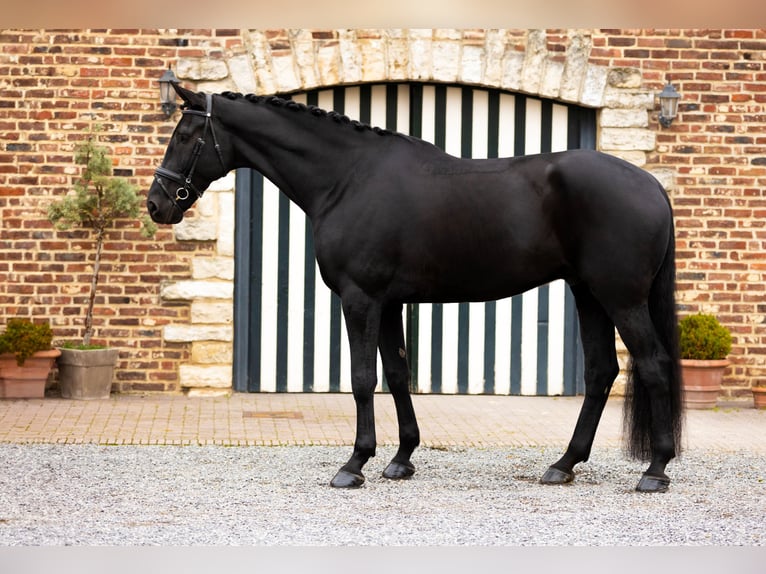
{"x": 303, "y": 108}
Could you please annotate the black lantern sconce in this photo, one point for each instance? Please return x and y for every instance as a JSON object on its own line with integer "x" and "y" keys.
{"x": 668, "y": 105}
{"x": 167, "y": 93}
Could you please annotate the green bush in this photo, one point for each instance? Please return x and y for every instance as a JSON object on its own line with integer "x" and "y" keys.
{"x": 24, "y": 338}
{"x": 702, "y": 337}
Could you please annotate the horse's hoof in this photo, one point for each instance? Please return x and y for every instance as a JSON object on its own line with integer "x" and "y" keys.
{"x": 650, "y": 483}
{"x": 345, "y": 479}
{"x": 399, "y": 470}
{"x": 556, "y": 476}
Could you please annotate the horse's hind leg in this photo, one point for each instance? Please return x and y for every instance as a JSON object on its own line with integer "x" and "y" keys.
{"x": 652, "y": 416}
{"x": 601, "y": 368}
{"x": 394, "y": 358}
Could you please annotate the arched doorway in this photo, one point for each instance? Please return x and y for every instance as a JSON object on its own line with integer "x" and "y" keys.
{"x": 289, "y": 333}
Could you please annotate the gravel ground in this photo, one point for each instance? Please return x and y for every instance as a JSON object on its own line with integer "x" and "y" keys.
{"x": 60, "y": 495}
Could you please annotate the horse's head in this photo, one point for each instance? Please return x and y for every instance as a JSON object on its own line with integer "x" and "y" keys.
{"x": 192, "y": 160}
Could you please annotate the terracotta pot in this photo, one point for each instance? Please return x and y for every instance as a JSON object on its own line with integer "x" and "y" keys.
{"x": 26, "y": 381}
{"x": 759, "y": 397}
{"x": 701, "y": 382}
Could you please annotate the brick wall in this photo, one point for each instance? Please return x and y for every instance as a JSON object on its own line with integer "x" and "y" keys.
{"x": 717, "y": 151}
{"x": 53, "y": 87}
{"x": 55, "y": 84}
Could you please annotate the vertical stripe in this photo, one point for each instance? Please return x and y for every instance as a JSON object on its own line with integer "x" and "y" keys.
{"x": 295, "y": 306}
{"x": 437, "y": 309}
{"x": 283, "y": 290}
{"x": 466, "y": 151}
{"x": 517, "y": 301}
{"x": 412, "y": 333}
{"x": 270, "y": 293}
{"x": 505, "y": 148}
{"x": 309, "y": 320}
{"x": 556, "y": 341}
{"x": 450, "y": 312}
{"x": 543, "y": 308}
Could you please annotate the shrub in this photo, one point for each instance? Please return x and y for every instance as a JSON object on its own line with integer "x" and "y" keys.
{"x": 702, "y": 337}
{"x": 24, "y": 338}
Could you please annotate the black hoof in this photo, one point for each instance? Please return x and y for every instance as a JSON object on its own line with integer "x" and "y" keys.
{"x": 399, "y": 470}
{"x": 650, "y": 483}
{"x": 555, "y": 476}
{"x": 345, "y": 479}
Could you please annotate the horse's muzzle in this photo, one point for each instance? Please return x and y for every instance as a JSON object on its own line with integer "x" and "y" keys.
{"x": 162, "y": 211}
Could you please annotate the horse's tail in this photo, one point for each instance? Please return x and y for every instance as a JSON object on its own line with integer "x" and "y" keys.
{"x": 662, "y": 308}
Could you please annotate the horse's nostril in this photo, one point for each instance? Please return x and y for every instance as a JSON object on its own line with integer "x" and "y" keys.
{"x": 151, "y": 207}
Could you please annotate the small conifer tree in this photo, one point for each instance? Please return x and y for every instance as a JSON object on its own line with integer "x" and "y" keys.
{"x": 98, "y": 201}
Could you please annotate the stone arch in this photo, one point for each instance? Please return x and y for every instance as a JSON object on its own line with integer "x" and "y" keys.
{"x": 272, "y": 62}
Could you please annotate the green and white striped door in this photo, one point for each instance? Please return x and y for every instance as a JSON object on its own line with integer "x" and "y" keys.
{"x": 289, "y": 332}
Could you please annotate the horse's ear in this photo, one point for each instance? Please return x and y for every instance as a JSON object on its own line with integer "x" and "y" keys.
{"x": 190, "y": 98}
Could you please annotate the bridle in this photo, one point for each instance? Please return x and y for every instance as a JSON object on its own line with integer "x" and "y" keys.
{"x": 185, "y": 180}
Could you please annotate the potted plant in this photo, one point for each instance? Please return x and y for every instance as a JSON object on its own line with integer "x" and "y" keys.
{"x": 704, "y": 345}
{"x": 26, "y": 359}
{"x": 98, "y": 201}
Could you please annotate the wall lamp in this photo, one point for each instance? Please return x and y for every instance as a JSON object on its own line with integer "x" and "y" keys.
{"x": 167, "y": 93}
{"x": 668, "y": 105}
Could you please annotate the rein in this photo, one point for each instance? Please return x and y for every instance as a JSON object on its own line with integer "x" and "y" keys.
{"x": 185, "y": 181}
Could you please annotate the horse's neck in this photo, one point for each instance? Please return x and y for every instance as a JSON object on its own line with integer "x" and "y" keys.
{"x": 304, "y": 156}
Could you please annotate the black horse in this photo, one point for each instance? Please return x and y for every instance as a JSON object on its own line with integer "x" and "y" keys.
{"x": 397, "y": 220}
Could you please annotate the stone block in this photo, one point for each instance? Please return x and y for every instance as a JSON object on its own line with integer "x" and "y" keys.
{"x": 637, "y": 158}
{"x": 493, "y": 57}
{"x": 551, "y": 83}
{"x": 625, "y": 78}
{"x": 328, "y": 64}
{"x": 189, "y": 290}
{"x": 241, "y": 69}
{"x": 624, "y": 118}
{"x": 373, "y": 58}
{"x": 420, "y": 54}
{"x": 196, "y": 230}
{"x": 350, "y": 57}
{"x": 285, "y": 74}
{"x": 446, "y": 60}
{"x": 627, "y": 139}
{"x": 513, "y": 62}
{"x": 226, "y": 216}
{"x": 617, "y": 98}
{"x": 472, "y": 65}
{"x": 212, "y": 312}
{"x": 212, "y": 352}
{"x": 575, "y": 67}
{"x": 191, "y": 333}
{"x": 225, "y": 183}
{"x": 213, "y": 268}
{"x": 534, "y": 61}
{"x": 210, "y": 376}
{"x": 200, "y": 69}
{"x": 261, "y": 55}
{"x": 594, "y": 85}
{"x": 303, "y": 48}
{"x": 398, "y": 55}
{"x": 666, "y": 177}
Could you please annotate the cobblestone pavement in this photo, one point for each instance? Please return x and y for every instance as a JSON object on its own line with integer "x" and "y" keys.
{"x": 329, "y": 419}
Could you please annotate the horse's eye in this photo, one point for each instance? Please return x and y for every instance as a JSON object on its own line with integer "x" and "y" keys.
{"x": 182, "y": 138}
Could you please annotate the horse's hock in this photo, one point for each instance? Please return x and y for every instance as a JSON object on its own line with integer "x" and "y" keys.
{"x": 530, "y": 62}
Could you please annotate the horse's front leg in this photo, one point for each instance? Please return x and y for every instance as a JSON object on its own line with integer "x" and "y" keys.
{"x": 363, "y": 324}
{"x": 394, "y": 357}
